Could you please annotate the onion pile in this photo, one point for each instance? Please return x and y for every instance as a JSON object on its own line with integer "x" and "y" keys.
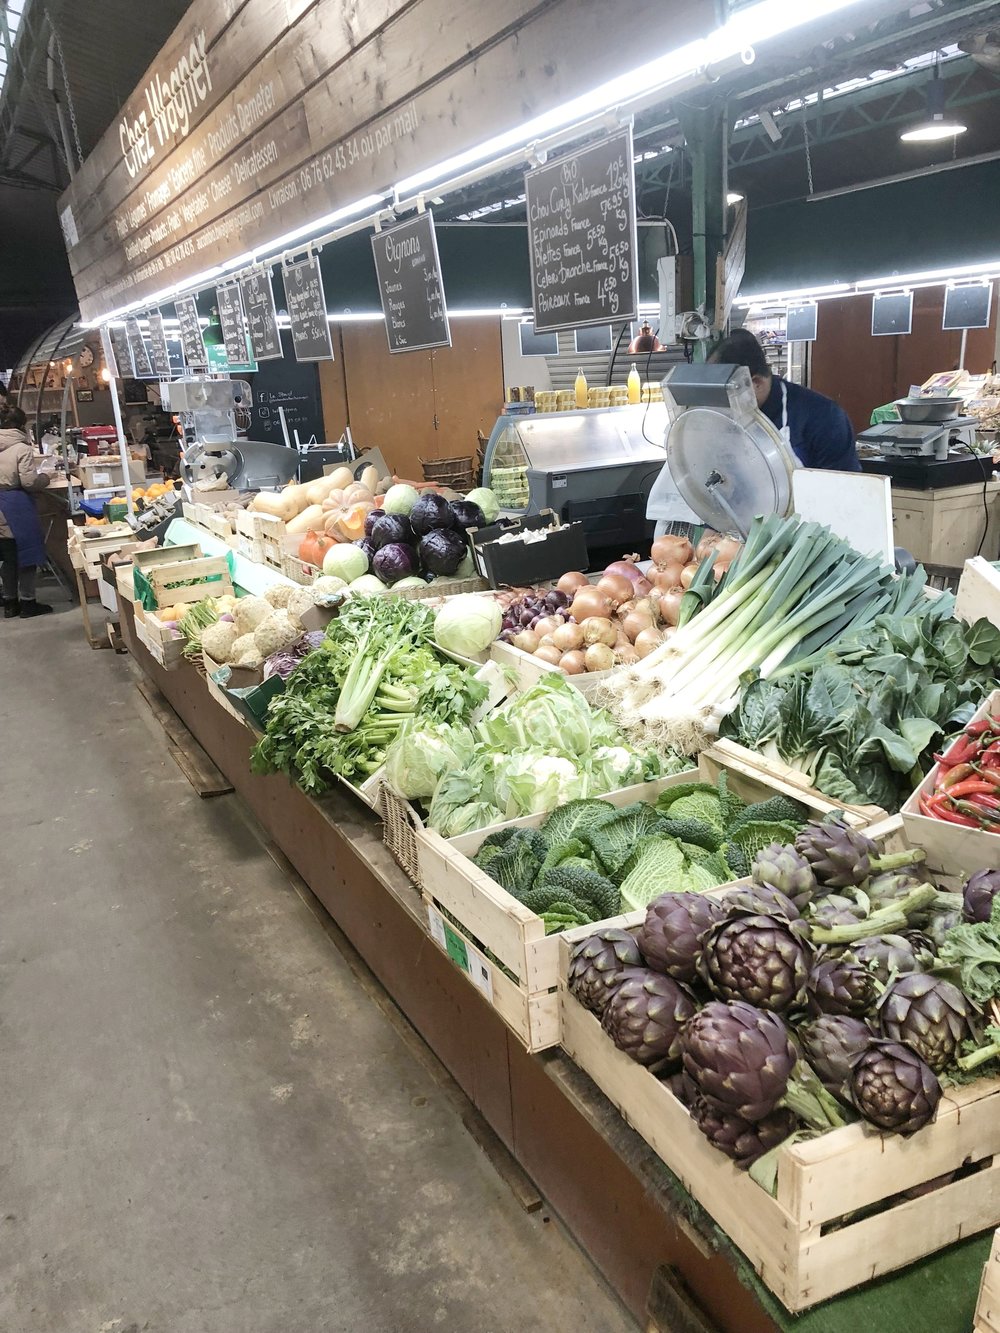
{"x": 582, "y": 626}
{"x": 676, "y": 562}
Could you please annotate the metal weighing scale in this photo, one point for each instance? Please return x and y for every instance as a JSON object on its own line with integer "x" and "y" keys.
{"x": 924, "y": 455}
{"x": 212, "y": 448}
{"x": 726, "y": 463}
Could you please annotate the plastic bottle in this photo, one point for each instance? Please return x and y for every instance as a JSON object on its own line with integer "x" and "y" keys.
{"x": 580, "y": 388}
{"x": 634, "y": 385}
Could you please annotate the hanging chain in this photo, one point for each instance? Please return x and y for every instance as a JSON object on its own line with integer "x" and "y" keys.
{"x": 805, "y": 135}
{"x": 69, "y": 95}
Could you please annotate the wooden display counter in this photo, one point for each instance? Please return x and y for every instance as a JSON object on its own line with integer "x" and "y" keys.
{"x": 671, "y": 1267}
{"x": 945, "y": 527}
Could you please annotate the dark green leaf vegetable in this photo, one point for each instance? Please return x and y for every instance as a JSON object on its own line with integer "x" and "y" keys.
{"x": 757, "y": 959}
{"x": 645, "y": 1016}
{"x": 775, "y": 810}
{"x": 929, "y": 1015}
{"x": 581, "y": 885}
{"x": 754, "y": 836}
{"x": 971, "y": 950}
{"x": 515, "y": 864}
{"x": 615, "y": 839}
{"x": 575, "y": 817}
{"x": 597, "y": 965}
{"x": 841, "y": 985}
{"x": 744, "y": 1141}
{"x": 830, "y": 1043}
{"x": 656, "y": 866}
{"x": 894, "y": 1088}
{"x": 695, "y": 831}
{"x": 670, "y": 938}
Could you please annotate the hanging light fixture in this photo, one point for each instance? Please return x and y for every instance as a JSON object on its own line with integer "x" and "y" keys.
{"x": 645, "y": 341}
{"x": 936, "y": 124}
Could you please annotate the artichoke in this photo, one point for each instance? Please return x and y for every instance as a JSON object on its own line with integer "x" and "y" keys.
{"x": 887, "y": 955}
{"x": 597, "y": 964}
{"x": 890, "y": 885}
{"x": 681, "y": 1086}
{"x": 836, "y": 910}
{"x": 830, "y": 1043}
{"x": 743, "y": 1063}
{"x": 978, "y": 895}
{"x": 757, "y": 959}
{"x": 937, "y": 926}
{"x": 670, "y": 938}
{"x": 841, "y": 985}
{"x": 645, "y": 1015}
{"x": 783, "y": 868}
{"x": 930, "y": 1015}
{"x": 893, "y": 1088}
{"x": 742, "y": 1140}
{"x": 841, "y": 857}
{"x": 761, "y": 899}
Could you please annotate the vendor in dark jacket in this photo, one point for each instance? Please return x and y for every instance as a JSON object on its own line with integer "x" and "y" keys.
{"x": 818, "y": 430}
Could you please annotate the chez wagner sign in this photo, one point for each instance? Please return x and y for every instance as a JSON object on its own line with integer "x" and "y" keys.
{"x": 262, "y": 116}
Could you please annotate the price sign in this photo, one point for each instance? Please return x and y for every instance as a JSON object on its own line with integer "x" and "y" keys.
{"x": 234, "y": 325}
{"x": 158, "y": 345}
{"x": 191, "y": 339}
{"x": 139, "y": 350}
{"x": 306, "y": 303}
{"x": 470, "y": 960}
{"x": 262, "y": 318}
{"x": 122, "y": 350}
{"x": 582, "y": 236}
{"x": 410, "y": 285}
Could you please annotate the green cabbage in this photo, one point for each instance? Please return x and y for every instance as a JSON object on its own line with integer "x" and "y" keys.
{"x": 399, "y": 499}
{"x": 487, "y": 502}
{"x": 468, "y": 624}
{"x": 345, "y": 561}
{"x": 419, "y": 756}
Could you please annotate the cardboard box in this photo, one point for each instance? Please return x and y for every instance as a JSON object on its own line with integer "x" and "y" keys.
{"x": 97, "y": 473}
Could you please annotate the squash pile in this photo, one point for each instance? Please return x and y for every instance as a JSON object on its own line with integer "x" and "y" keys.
{"x": 323, "y": 512}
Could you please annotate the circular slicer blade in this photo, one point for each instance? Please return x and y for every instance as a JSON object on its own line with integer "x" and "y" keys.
{"x": 727, "y": 472}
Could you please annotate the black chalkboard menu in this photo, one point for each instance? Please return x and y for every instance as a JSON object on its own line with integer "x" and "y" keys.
{"x": 191, "y": 339}
{"x": 123, "y": 352}
{"x": 138, "y": 348}
{"x": 582, "y": 236}
{"x": 410, "y": 285}
{"x": 291, "y": 386}
{"x": 158, "y": 345}
{"x": 262, "y": 320}
{"x": 307, "y": 311}
{"x": 229, "y": 301}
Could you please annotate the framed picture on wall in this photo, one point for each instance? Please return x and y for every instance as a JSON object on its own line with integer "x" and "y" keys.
{"x": 84, "y": 395}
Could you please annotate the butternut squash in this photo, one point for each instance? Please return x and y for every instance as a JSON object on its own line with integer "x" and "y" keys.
{"x": 340, "y": 478}
{"x": 310, "y": 517}
{"x": 369, "y": 478}
{"x": 279, "y": 505}
{"x": 296, "y": 494}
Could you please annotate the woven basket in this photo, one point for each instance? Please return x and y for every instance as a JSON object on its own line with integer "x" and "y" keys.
{"x": 443, "y": 469}
{"x": 398, "y": 832}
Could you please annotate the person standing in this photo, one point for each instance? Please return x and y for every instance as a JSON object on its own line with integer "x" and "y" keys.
{"x": 818, "y": 429}
{"x": 22, "y": 543}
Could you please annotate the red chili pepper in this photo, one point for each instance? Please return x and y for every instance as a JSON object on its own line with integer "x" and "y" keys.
{"x": 980, "y": 726}
{"x": 986, "y": 819}
{"x": 959, "y": 752}
{"x": 969, "y": 785}
{"x": 939, "y": 811}
{"x": 990, "y": 775}
{"x": 955, "y": 774}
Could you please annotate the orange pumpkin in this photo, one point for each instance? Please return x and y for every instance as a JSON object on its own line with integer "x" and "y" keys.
{"x": 348, "y": 523}
{"x": 314, "y": 547}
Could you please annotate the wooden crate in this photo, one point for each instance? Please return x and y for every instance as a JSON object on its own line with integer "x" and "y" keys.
{"x": 804, "y": 1243}
{"x": 169, "y": 580}
{"x": 531, "y": 669}
{"x": 988, "y": 1304}
{"x": 157, "y": 639}
{"x": 952, "y": 850}
{"x": 485, "y": 918}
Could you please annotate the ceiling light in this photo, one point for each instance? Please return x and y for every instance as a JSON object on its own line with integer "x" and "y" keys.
{"x": 734, "y": 198}
{"x": 936, "y": 124}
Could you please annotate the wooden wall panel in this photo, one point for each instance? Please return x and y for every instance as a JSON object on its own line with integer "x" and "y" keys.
{"x": 468, "y": 385}
{"x": 333, "y": 389}
{"x": 861, "y": 372}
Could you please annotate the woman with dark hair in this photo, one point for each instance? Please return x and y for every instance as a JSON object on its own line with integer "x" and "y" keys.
{"x": 22, "y": 543}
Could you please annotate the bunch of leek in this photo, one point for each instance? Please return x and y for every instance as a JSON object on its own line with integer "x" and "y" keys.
{"x": 793, "y": 589}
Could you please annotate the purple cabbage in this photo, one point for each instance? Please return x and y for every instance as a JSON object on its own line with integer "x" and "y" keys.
{"x": 283, "y": 663}
{"x": 395, "y": 561}
{"x": 390, "y": 528}
{"x": 442, "y": 551}
{"x": 365, "y": 544}
{"x": 373, "y": 517}
{"x": 431, "y": 511}
{"x": 467, "y": 514}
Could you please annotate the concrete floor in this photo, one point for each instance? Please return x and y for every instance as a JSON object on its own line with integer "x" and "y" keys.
{"x": 206, "y": 1125}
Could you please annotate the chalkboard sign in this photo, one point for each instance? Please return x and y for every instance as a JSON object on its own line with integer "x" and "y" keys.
{"x": 582, "y": 236}
{"x": 410, "y": 285}
{"x": 191, "y": 339}
{"x": 108, "y": 348}
{"x": 234, "y": 325}
{"x": 293, "y": 386}
{"x": 968, "y": 307}
{"x": 892, "y": 314}
{"x": 123, "y": 352}
{"x": 307, "y": 311}
{"x": 800, "y": 322}
{"x": 262, "y": 320}
{"x": 138, "y": 348}
{"x": 158, "y": 345}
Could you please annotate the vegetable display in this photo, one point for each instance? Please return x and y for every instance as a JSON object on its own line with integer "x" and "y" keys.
{"x": 966, "y": 788}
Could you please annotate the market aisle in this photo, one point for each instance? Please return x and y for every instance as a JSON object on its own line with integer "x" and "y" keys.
{"x": 208, "y": 1127}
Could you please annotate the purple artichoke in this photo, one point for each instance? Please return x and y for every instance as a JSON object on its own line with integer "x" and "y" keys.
{"x": 930, "y": 1015}
{"x": 937, "y": 925}
{"x": 784, "y": 869}
{"x": 842, "y": 858}
{"x": 757, "y": 959}
{"x": 681, "y": 1086}
{"x": 830, "y": 1043}
{"x": 671, "y": 936}
{"x": 742, "y": 1140}
{"x": 890, "y": 885}
{"x": 885, "y": 955}
{"x": 893, "y": 1088}
{"x": 836, "y": 910}
{"x": 978, "y": 894}
{"x": 597, "y": 964}
{"x": 645, "y": 1017}
{"x": 841, "y": 985}
{"x": 760, "y": 899}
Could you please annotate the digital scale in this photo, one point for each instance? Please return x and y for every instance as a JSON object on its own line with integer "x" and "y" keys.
{"x": 926, "y": 439}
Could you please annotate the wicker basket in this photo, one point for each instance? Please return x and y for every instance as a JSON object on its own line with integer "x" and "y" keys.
{"x": 398, "y": 831}
{"x": 438, "y": 468}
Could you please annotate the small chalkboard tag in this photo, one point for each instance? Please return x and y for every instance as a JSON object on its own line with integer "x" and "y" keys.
{"x": 108, "y": 348}
{"x": 192, "y": 343}
{"x": 582, "y": 236}
{"x": 158, "y": 345}
{"x": 262, "y": 318}
{"x": 229, "y": 302}
{"x": 307, "y": 311}
{"x": 410, "y": 285}
{"x": 123, "y": 352}
{"x": 137, "y": 346}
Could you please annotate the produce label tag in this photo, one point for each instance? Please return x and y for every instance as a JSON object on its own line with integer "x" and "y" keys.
{"x": 472, "y": 963}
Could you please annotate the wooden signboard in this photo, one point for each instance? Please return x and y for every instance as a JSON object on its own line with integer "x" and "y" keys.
{"x": 294, "y": 388}
{"x": 261, "y": 116}
{"x": 410, "y": 285}
{"x": 123, "y": 351}
{"x": 139, "y": 350}
{"x": 306, "y": 304}
{"x": 582, "y": 236}
{"x": 191, "y": 339}
{"x": 229, "y": 302}
{"x": 159, "y": 354}
{"x": 262, "y": 319}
